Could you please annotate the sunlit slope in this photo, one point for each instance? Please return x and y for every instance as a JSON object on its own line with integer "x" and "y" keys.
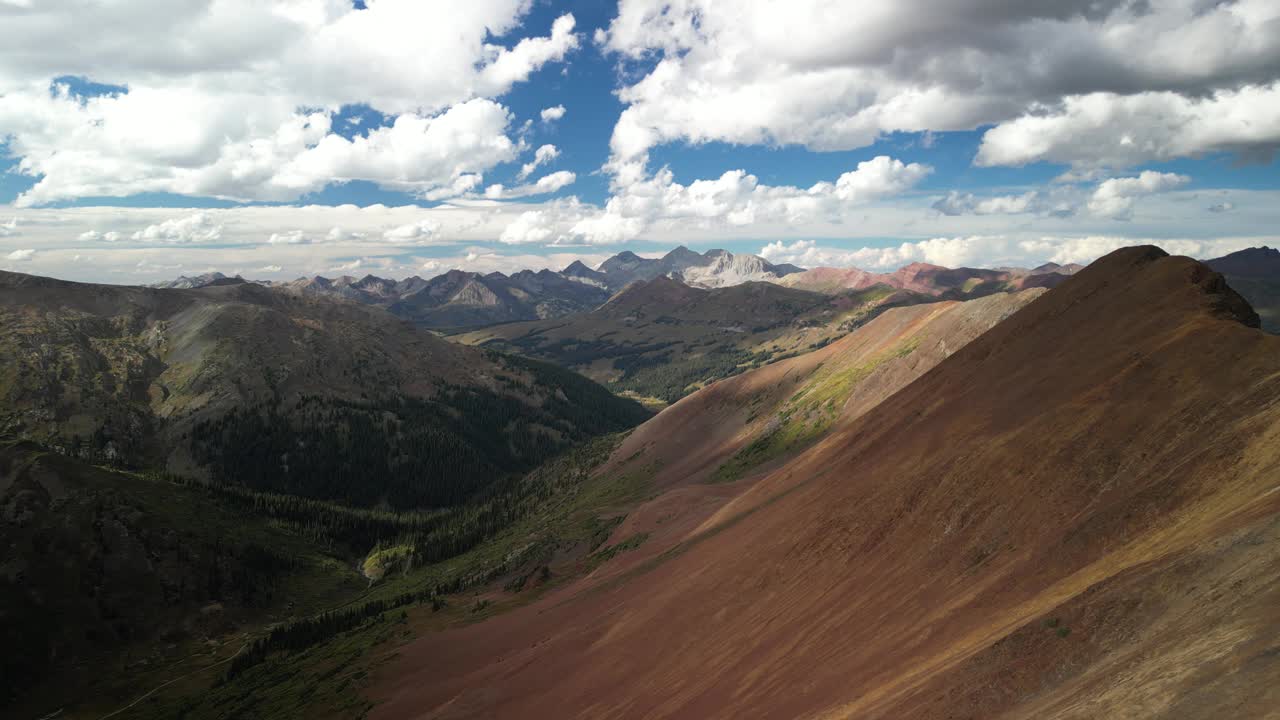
{"x": 1075, "y": 515}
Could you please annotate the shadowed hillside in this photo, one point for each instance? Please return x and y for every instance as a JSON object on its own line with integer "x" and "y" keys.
{"x": 1073, "y": 516}
{"x": 248, "y": 385}
{"x": 1255, "y": 274}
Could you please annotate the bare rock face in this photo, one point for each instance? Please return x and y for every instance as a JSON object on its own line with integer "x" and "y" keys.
{"x": 728, "y": 269}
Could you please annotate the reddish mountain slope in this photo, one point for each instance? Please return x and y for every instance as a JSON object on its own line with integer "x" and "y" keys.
{"x": 1074, "y": 516}
{"x": 693, "y": 438}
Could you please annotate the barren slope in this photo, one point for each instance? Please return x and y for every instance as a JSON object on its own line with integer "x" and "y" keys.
{"x": 795, "y": 401}
{"x": 1075, "y": 516}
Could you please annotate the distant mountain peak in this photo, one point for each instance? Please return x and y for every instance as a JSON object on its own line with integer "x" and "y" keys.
{"x": 682, "y": 253}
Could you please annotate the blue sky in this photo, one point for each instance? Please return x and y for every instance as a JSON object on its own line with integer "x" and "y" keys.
{"x": 391, "y": 136}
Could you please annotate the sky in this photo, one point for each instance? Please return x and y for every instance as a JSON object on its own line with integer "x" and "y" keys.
{"x": 145, "y": 139}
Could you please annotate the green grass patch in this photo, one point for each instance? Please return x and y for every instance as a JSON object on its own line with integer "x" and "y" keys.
{"x": 601, "y": 557}
{"x": 808, "y": 414}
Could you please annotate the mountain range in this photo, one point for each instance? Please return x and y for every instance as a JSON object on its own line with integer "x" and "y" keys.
{"x": 932, "y": 493}
{"x": 459, "y": 299}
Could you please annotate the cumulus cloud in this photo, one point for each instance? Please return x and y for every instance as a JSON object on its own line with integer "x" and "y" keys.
{"x": 95, "y": 236}
{"x": 21, "y": 255}
{"x": 984, "y": 251}
{"x": 195, "y": 228}
{"x": 762, "y": 72}
{"x": 552, "y": 114}
{"x": 413, "y": 153}
{"x": 413, "y": 232}
{"x": 1221, "y": 207}
{"x": 949, "y": 252}
{"x": 1111, "y": 130}
{"x": 543, "y": 155}
{"x": 546, "y": 184}
{"x": 348, "y": 266}
{"x": 1058, "y": 203}
{"x": 1115, "y": 197}
{"x": 10, "y": 228}
{"x": 509, "y": 67}
{"x": 957, "y": 203}
{"x": 291, "y": 237}
{"x": 736, "y": 198}
{"x": 210, "y": 94}
{"x": 531, "y": 226}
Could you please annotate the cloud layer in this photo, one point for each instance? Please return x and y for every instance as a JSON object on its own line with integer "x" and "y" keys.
{"x": 1089, "y": 82}
{"x": 235, "y": 99}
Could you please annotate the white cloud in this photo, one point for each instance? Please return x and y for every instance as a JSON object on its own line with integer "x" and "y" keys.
{"x": 803, "y": 73}
{"x": 1114, "y": 197}
{"x": 214, "y": 89}
{"x": 21, "y": 255}
{"x": 956, "y": 203}
{"x": 549, "y": 183}
{"x": 552, "y": 114}
{"x": 1221, "y": 207}
{"x": 348, "y": 266}
{"x": 420, "y": 154}
{"x": 270, "y": 269}
{"x": 290, "y": 237}
{"x": 412, "y": 232}
{"x": 10, "y": 228}
{"x": 986, "y": 251}
{"x": 532, "y": 226}
{"x": 95, "y": 236}
{"x": 949, "y": 252}
{"x": 543, "y": 155}
{"x": 194, "y": 228}
{"x": 1058, "y": 202}
{"x": 1110, "y": 130}
{"x": 735, "y": 199}
{"x": 509, "y": 67}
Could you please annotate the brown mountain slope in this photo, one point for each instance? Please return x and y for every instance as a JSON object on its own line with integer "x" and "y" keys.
{"x": 1074, "y": 516}
{"x": 783, "y": 406}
